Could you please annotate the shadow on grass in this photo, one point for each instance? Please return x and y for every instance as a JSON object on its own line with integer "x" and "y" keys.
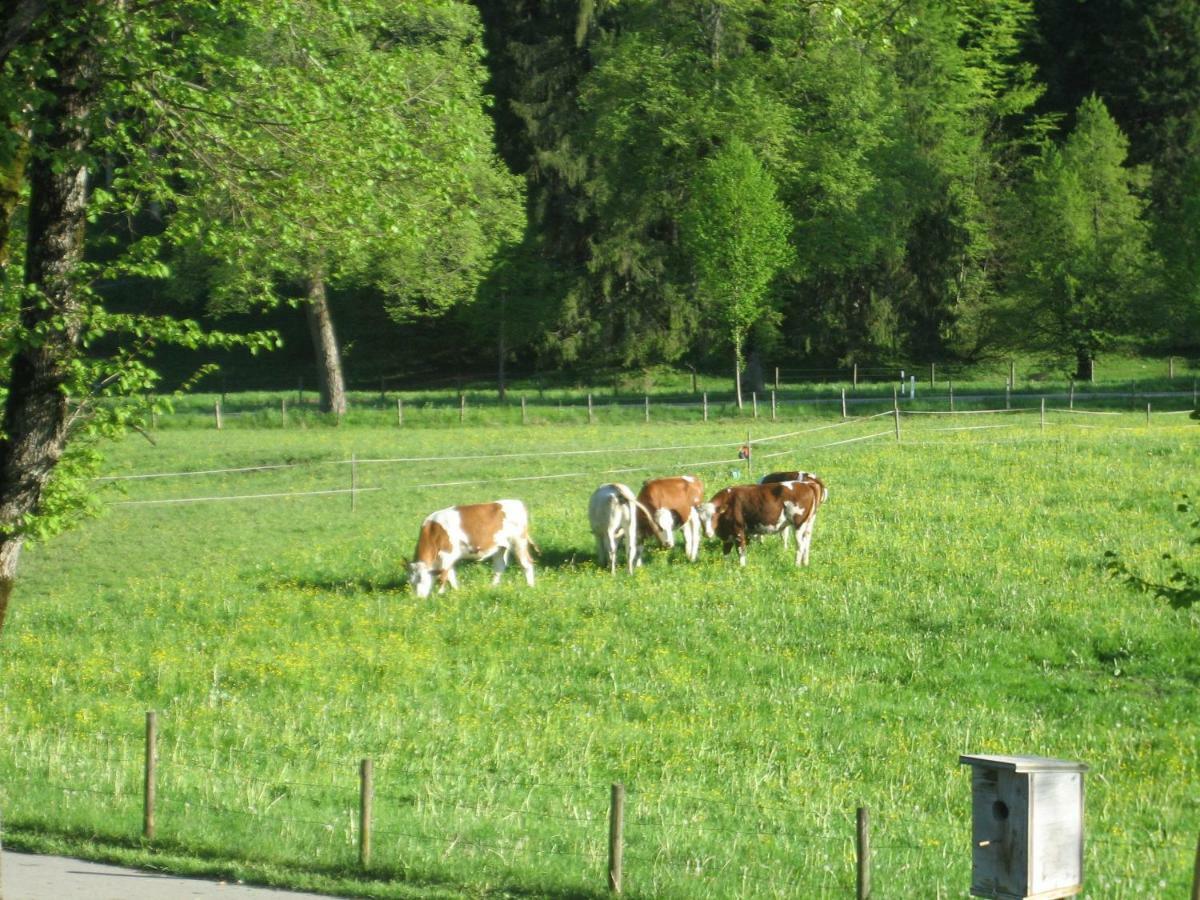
{"x": 546, "y": 557}
{"x": 178, "y": 859}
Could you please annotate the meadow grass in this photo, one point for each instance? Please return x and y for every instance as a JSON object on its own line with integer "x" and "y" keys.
{"x": 956, "y": 603}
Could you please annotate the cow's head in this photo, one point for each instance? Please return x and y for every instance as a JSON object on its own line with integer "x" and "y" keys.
{"x": 708, "y": 516}
{"x": 421, "y": 578}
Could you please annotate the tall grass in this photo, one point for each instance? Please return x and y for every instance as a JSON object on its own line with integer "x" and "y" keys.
{"x": 956, "y": 604}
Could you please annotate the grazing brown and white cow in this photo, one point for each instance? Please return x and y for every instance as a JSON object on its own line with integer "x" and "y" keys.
{"x": 674, "y": 502}
{"x": 806, "y": 534}
{"x": 747, "y": 509}
{"x": 475, "y": 531}
{"x": 613, "y": 513}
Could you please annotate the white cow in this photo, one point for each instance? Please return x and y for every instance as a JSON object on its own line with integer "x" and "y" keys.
{"x": 612, "y": 512}
{"x": 477, "y": 531}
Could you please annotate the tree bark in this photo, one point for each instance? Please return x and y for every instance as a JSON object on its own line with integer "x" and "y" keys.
{"x": 501, "y": 352}
{"x": 329, "y": 358}
{"x": 35, "y": 412}
{"x": 1083, "y": 365}
{"x": 737, "y": 378}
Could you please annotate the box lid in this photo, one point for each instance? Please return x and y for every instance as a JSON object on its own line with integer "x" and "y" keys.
{"x": 1023, "y": 763}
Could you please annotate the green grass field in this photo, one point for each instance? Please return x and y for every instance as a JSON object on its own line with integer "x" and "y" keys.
{"x": 956, "y": 603}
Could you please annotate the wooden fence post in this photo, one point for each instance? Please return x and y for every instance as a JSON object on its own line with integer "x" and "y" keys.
{"x": 1170, "y": 367}
{"x": 217, "y": 413}
{"x": 1071, "y": 396}
{"x": 151, "y": 782}
{"x": 843, "y": 403}
{"x": 777, "y": 378}
{"x": 772, "y": 406}
{"x": 616, "y": 830}
{"x": 647, "y": 407}
{"x": 896, "y": 413}
{"x": 932, "y": 379}
{"x": 855, "y": 382}
{"x": 705, "y": 404}
{"x": 1043, "y": 414}
{"x": 591, "y": 415}
{"x": 1012, "y": 373}
{"x": 951, "y": 396}
{"x": 366, "y": 798}
{"x": 399, "y": 411}
{"x": 863, "y": 842}
{"x": 353, "y": 482}
{"x": 1147, "y": 415}
{"x": 524, "y": 417}
{"x": 1008, "y": 395}
{"x": 462, "y": 408}
{"x": 754, "y": 402}
{"x": 283, "y": 412}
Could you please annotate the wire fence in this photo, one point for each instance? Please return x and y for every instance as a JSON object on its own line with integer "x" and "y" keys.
{"x": 432, "y": 821}
{"x": 743, "y": 452}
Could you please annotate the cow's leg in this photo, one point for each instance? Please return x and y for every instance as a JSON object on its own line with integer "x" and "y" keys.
{"x": 666, "y": 521}
{"x": 613, "y": 548}
{"x": 741, "y": 542}
{"x": 499, "y": 564}
{"x": 521, "y": 548}
{"x": 808, "y": 533}
{"x": 631, "y": 541}
{"x": 447, "y": 576}
{"x": 691, "y": 536}
{"x": 602, "y": 544}
{"x": 799, "y": 543}
{"x": 786, "y": 534}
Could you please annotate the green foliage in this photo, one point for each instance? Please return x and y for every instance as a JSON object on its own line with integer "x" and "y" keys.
{"x": 356, "y": 147}
{"x": 736, "y": 233}
{"x": 1181, "y": 587}
{"x": 1081, "y": 259}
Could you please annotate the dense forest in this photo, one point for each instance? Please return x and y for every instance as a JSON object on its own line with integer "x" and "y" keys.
{"x": 410, "y": 189}
{"x": 553, "y": 183}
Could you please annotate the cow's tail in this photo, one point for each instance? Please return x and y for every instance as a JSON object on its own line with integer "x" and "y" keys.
{"x": 635, "y": 503}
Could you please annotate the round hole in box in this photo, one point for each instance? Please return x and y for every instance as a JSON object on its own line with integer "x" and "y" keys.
{"x": 1000, "y": 810}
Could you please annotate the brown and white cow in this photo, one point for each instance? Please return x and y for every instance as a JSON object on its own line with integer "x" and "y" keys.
{"x": 476, "y": 531}
{"x": 674, "y": 502}
{"x": 747, "y": 509}
{"x": 613, "y": 514}
{"x": 805, "y": 535}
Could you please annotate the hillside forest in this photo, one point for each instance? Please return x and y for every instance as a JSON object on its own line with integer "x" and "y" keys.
{"x": 415, "y": 188}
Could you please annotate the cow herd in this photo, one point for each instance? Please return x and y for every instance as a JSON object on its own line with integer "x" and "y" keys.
{"x": 782, "y": 502}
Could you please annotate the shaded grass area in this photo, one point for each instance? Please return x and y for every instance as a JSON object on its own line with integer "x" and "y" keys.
{"x": 956, "y": 604}
{"x": 1123, "y": 383}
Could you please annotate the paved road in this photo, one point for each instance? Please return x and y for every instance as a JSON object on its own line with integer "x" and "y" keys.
{"x": 24, "y": 876}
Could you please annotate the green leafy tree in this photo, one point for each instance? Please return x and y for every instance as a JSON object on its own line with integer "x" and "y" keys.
{"x": 229, "y": 118}
{"x": 386, "y": 174}
{"x": 1081, "y": 260}
{"x": 736, "y": 232}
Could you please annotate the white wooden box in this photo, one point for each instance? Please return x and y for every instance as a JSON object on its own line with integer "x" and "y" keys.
{"x": 1026, "y": 827}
